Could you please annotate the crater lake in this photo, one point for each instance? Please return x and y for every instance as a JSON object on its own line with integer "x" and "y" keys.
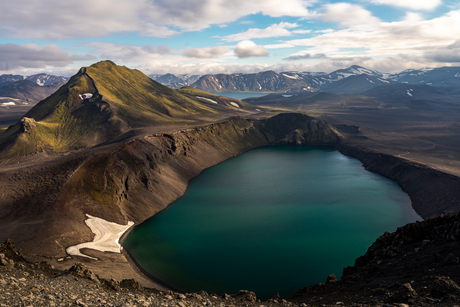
{"x": 274, "y": 219}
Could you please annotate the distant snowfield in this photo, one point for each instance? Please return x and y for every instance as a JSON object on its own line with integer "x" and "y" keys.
{"x": 106, "y": 237}
{"x": 6, "y": 104}
{"x": 210, "y": 100}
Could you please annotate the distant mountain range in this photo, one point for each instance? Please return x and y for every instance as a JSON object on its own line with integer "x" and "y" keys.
{"x": 39, "y": 79}
{"x": 30, "y": 89}
{"x": 390, "y": 96}
{"x": 354, "y": 79}
{"x": 174, "y": 81}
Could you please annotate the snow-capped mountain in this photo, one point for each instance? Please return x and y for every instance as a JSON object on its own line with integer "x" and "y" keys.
{"x": 442, "y": 76}
{"x": 7, "y": 79}
{"x": 45, "y": 79}
{"x": 353, "y": 79}
{"x": 40, "y": 79}
{"x": 267, "y": 81}
{"x": 174, "y": 81}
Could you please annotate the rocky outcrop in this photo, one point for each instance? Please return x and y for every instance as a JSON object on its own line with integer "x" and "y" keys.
{"x": 28, "y": 124}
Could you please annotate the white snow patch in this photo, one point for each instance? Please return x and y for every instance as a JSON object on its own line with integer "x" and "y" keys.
{"x": 362, "y": 70}
{"x": 85, "y": 96}
{"x": 409, "y": 92}
{"x": 10, "y": 103}
{"x": 106, "y": 237}
{"x": 234, "y": 104}
{"x": 292, "y": 77}
{"x": 258, "y": 110}
{"x": 457, "y": 75}
{"x": 207, "y": 99}
{"x": 287, "y": 96}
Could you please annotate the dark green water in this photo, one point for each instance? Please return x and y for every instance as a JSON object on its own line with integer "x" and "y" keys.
{"x": 274, "y": 219}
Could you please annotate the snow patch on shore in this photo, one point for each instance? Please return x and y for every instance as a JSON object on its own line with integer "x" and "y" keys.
{"x": 106, "y": 237}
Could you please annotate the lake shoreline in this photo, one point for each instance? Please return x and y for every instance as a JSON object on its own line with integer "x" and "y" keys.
{"x": 299, "y": 153}
{"x": 370, "y": 159}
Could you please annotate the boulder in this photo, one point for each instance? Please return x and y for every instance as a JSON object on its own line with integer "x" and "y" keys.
{"x": 443, "y": 286}
{"x": 404, "y": 294}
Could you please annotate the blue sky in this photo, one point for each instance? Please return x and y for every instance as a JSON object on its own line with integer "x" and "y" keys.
{"x": 221, "y": 36}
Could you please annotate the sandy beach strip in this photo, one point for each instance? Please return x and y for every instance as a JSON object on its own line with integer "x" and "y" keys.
{"x": 106, "y": 239}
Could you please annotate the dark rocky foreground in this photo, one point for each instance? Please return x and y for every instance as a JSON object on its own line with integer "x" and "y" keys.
{"x": 24, "y": 283}
{"x": 418, "y": 265}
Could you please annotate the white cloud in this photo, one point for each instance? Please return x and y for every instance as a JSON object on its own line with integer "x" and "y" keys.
{"x": 127, "y": 53}
{"x": 275, "y": 30}
{"x": 57, "y": 19}
{"x": 246, "y": 49}
{"x": 301, "y": 31}
{"x": 53, "y": 19}
{"x": 347, "y": 14}
{"x": 198, "y": 14}
{"x": 153, "y": 30}
{"x": 306, "y": 56}
{"x": 386, "y": 39}
{"x": 13, "y": 56}
{"x": 279, "y": 46}
{"x": 411, "y": 4}
{"x": 205, "y": 52}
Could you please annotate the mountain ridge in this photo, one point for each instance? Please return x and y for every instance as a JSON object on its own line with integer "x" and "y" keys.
{"x": 41, "y": 79}
{"x": 310, "y": 81}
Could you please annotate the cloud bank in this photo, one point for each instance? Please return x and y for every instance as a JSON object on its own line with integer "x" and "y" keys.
{"x": 33, "y": 56}
{"x": 246, "y": 49}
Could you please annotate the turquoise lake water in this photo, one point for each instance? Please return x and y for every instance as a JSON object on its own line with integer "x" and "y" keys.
{"x": 275, "y": 219}
{"x": 241, "y": 95}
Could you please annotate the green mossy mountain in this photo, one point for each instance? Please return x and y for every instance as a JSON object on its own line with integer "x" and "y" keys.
{"x": 121, "y": 99}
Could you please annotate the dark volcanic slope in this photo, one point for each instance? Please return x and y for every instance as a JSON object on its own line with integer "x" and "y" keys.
{"x": 43, "y": 206}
